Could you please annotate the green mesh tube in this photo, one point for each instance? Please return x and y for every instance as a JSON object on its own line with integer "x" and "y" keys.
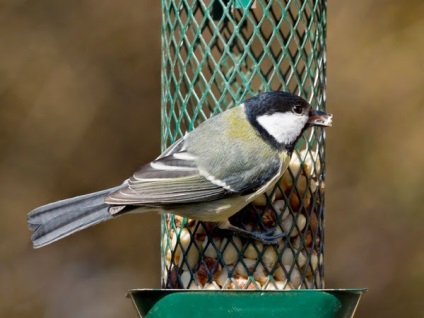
{"x": 216, "y": 54}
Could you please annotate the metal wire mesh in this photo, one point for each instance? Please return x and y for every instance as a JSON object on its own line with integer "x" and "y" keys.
{"x": 217, "y": 53}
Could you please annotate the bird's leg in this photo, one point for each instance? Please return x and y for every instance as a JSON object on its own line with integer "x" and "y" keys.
{"x": 265, "y": 237}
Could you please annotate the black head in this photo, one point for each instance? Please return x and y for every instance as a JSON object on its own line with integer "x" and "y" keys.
{"x": 279, "y": 117}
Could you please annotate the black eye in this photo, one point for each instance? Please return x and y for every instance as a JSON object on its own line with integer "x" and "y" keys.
{"x": 298, "y": 109}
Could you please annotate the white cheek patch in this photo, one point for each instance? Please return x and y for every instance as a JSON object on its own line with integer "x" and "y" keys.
{"x": 284, "y": 127}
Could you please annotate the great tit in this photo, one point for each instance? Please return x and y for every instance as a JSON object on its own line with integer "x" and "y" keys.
{"x": 208, "y": 175}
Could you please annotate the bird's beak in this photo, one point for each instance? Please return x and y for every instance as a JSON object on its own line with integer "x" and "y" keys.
{"x": 320, "y": 118}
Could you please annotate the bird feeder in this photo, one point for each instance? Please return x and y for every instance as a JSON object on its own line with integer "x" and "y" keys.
{"x": 215, "y": 54}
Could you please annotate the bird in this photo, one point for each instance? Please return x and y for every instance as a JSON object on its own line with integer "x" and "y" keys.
{"x": 208, "y": 175}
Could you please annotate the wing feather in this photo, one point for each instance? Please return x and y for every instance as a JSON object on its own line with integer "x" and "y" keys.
{"x": 177, "y": 190}
{"x": 173, "y": 178}
{"x": 178, "y": 176}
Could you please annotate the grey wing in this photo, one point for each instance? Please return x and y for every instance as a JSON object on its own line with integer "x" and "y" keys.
{"x": 173, "y": 178}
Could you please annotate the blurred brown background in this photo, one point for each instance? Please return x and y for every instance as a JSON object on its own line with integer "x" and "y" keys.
{"x": 80, "y": 111}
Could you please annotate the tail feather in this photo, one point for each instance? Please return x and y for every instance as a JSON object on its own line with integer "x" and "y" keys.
{"x": 56, "y": 220}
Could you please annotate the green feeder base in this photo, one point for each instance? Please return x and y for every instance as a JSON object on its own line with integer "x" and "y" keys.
{"x": 310, "y": 303}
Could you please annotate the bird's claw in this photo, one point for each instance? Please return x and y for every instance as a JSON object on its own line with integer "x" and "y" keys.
{"x": 266, "y": 236}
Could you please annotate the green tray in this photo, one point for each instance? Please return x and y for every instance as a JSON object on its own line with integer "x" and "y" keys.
{"x": 340, "y": 303}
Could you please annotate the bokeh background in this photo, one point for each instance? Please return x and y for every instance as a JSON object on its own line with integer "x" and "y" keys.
{"x": 80, "y": 111}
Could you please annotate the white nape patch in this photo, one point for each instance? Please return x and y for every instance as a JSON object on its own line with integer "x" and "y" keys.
{"x": 284, "y": 127}
{"x": 184, "y": 156}
{"x": 164, "y": 167}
